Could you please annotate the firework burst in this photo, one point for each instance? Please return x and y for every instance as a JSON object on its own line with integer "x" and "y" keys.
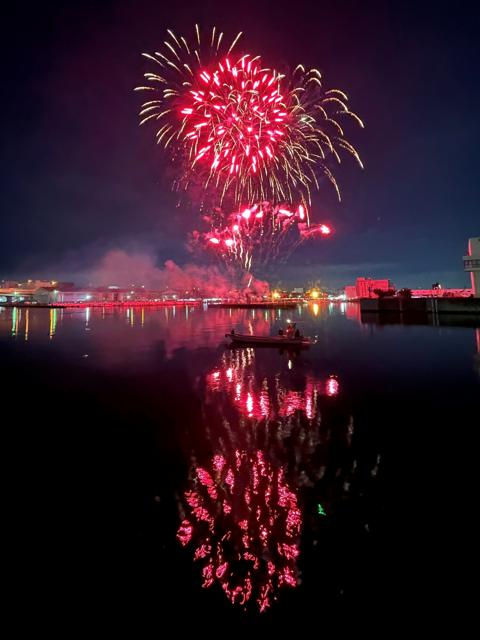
{"x": 258, "y": 234}
{"x": 245, "y": 130}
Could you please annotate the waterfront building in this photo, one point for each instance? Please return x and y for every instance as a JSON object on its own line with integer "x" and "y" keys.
{"x": 351, "y": 292}
{"x": 471, "y": 263}
{"x": 365, "y": 288}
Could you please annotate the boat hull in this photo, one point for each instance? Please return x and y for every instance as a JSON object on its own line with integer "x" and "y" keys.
{"x": 273, "y": 341}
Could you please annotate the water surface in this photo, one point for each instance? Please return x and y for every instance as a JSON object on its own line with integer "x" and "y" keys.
{"x": 155, "y": 475}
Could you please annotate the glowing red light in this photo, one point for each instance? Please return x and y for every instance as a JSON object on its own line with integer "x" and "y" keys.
{"x": 332, "y": 386}
{"x": 249, "y": 404}
{"x": 185, "y": 532}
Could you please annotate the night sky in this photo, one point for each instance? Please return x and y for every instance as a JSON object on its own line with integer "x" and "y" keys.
{"x": 79, "y": 177}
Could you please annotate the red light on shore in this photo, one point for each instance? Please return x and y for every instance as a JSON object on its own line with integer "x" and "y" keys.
{"x": 325, "y": 230}
{"x": 214, "y": 240}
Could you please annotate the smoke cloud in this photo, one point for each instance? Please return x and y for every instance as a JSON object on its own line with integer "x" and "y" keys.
{"x": 124, "y": 269}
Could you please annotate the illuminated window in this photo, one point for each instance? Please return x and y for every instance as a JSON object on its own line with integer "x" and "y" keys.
{"x": 472, "y": 264}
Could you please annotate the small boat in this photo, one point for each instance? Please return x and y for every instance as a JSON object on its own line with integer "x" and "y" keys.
{"x": 274, "y": 341}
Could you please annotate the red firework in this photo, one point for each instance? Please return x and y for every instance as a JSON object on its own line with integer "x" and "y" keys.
{"x": 241, "y": 130}
{"x": 236, "y": 122}
{"x": 259, "y": 233}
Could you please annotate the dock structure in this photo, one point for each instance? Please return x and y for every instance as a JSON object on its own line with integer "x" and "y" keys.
{"x": 253, "y": 305}
{"x": 429, "y": 306}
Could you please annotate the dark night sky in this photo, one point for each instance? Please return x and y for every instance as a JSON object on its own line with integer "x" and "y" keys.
{"x": 79, "y": 177}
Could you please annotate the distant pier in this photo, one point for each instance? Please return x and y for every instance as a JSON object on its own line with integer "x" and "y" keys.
{"x": 253, "y": 305}
{"x": 429, "y": 306}
{"x": 99, "y": 303}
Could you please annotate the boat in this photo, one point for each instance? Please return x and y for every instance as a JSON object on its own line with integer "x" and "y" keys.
{"x": 274, "y": 341}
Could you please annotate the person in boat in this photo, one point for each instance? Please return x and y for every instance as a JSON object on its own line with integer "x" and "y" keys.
{"x": 291, "y": 330}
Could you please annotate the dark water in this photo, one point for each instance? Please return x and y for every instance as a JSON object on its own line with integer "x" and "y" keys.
{"x": 143, "y": 459}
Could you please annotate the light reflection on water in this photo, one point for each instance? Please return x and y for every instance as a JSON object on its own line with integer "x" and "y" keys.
{"x": 267, "y": 434}
{"x": 197, "y": 326}
{"x": 280, "y": 450}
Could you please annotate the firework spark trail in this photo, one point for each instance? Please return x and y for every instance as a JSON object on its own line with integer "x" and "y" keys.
{"x": 251, "y": 132}
{"x": 257, "y": 234}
